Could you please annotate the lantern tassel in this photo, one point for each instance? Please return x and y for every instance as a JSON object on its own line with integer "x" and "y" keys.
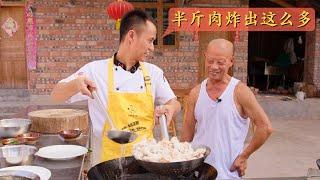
{"x": 118, "y": 22}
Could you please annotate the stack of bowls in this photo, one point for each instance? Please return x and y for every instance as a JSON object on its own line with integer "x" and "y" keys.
{"x": 13, "y": 132}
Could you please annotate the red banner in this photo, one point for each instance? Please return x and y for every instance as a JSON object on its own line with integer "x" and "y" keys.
{"x": 241, "y": 19}
{"x": 31, "y": 37}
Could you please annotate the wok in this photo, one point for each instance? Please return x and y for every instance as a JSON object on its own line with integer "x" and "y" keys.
{"x": 175, "y": 168}
{"x": 110, "y": 170}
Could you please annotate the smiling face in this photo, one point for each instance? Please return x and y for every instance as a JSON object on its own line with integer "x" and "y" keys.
{"x": 218, "y": 59}
{"x": 142, "y": 41}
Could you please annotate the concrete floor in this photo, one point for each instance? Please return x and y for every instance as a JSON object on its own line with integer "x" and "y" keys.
{"x": 295, "y": 144}
{"x": 289, "y": 152}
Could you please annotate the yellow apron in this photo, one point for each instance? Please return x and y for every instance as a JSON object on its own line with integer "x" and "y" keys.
{"x": 129, "y": 111}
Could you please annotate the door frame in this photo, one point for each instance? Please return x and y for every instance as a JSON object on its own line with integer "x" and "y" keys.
{"x": 21, "y": 3}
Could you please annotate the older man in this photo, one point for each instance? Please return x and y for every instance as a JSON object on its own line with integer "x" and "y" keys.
{"x": 219, "y": 112}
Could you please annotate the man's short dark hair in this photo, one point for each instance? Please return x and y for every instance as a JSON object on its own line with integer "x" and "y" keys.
{"x": 132, "y": 20}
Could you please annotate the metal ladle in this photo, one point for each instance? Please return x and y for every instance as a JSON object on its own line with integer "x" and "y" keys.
{"x": 118, "y": 136}
{"x": 163, "y": 126}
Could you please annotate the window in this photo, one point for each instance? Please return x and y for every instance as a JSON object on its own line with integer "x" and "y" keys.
{"x": 159, "y": 11}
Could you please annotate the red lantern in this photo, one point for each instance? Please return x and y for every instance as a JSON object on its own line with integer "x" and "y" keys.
{"x": 117, "y": 9}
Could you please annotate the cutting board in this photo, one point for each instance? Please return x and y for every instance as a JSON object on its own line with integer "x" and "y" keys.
{"x": 55, "y": 120}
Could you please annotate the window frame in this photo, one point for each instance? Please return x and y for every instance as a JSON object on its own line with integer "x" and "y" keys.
{"x": 160, "y": 6}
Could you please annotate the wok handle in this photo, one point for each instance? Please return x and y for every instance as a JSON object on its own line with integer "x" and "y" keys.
{"x": 164, "y": 127}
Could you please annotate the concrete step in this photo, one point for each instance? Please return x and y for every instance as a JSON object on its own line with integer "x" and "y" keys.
{"x": 14, "y": 95}
{"x": 294, "y": 109}
{"x": 6, "y": 115}
{"x": 10, "y": 109}
{"x": 16, "y": 92}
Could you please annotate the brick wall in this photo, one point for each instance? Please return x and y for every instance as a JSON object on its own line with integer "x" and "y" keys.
{"x": 312, "y": 62}
{"x": 240, "y": 67}
{"x": 180, "y": 64}
{"x": 316, "y": 78}
{"x": 71, "y": 35}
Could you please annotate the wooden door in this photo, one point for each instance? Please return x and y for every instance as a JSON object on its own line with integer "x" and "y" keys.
{"x": 13, "y": 71}
{"x": 204, "y": 39}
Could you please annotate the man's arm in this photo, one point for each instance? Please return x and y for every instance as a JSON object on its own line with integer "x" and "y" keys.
{"x": 251, "y": 108}
{"x": 254, "y": 111}
{"x": 189, "y": 121}
{"x": 64, "y": 90}
{"x": 174, "y": 107}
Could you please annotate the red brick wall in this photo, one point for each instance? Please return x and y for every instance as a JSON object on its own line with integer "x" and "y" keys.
{"x": 180, "y": 64}
{"x": 71, "y": 35}
{"x": 316, "y": 78}
{"x": 240, "y": 67}
{"x": 312, "y": 62}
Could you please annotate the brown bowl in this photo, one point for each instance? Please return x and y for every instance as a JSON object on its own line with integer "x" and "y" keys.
{"x": 13, "y": 141}
{"x": 30, "y": 138}
{"x": 70, "y": 134}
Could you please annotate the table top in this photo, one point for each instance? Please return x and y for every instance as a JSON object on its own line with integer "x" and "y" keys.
{"x": 64, "y": 169}
{"x": 60, "y": 170}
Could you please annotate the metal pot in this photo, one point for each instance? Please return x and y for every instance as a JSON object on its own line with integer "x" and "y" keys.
{"x": 13, "y": 127}
{"x": 15, "y": 155}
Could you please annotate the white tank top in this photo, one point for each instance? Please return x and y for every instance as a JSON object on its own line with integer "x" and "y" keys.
{"x": 220, "y": 127}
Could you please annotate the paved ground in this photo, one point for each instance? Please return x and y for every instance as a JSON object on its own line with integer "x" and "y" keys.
{"x": 289, "y": 152}
{"x": 295, "y": 145}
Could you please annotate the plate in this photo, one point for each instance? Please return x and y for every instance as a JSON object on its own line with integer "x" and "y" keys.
{"x": 42, "y": 172}
{"x": 61, "y": 152}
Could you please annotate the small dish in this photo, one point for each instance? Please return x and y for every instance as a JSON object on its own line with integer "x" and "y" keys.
{"x": 70, "y": 134}
{"x": 13, "y": 141}
{"x": 30, "y": 138}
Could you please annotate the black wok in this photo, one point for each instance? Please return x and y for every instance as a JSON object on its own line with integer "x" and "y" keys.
{"x": 110, "y": 170}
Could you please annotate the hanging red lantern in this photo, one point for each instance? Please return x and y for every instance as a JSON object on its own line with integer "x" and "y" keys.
{"x": 117, "y": 9}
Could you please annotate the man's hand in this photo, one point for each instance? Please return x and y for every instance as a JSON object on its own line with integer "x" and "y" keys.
{"x": 85, "y": 85}
{"x": 240, "y": 164}
{"x": 167, "y": 110}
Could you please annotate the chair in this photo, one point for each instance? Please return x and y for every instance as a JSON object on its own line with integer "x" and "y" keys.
{"x": 273, "y": 71}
